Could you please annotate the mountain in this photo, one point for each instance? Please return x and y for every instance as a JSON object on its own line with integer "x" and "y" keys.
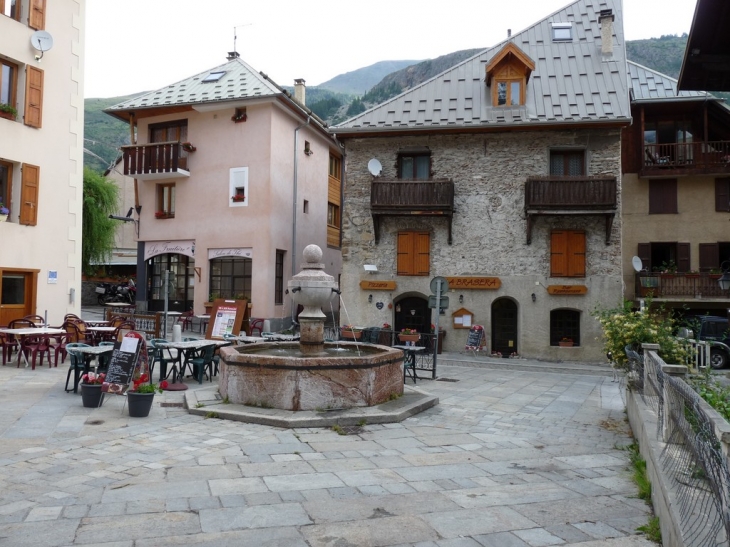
{"x": 349, "y": 94}
{"x": 359, "y": 81}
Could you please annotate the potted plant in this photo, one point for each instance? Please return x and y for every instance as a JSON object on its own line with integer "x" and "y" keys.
{"x": 348, "y": 331}
{"x": 668, "y": 269}
{"x": 410, "y": 336}
{"x": 237, "y": 198}
{"x": 692, "y": 274}
{"x": 8, "y": 111}
{"x": 4, "y": 212}
{"x": 188, "y": 147}
{"x": 91, "y": 389}
{"x": 141, "y": 396}
{"x": 164, "y": 214}
{"x": 566, "y": 342}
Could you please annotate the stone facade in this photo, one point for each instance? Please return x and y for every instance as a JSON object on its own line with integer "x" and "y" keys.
{"x": 489, "y": 235}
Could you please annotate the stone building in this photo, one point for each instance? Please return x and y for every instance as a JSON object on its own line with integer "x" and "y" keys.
{"x": 502, "y": 174}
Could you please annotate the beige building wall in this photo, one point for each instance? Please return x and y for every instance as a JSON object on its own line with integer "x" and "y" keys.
{"x": 54, "y": 243}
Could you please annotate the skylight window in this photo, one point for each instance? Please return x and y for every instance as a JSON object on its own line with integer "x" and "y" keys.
{"x": 214, "y": 76}
{"x": 562, "y": 32}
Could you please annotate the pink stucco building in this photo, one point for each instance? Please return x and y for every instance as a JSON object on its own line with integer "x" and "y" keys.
{"x": 234, "y": 177}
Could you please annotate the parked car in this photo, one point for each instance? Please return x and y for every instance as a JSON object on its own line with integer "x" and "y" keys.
{"x": 714, "y": 329}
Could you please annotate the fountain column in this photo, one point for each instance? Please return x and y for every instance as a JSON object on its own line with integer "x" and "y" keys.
{"x": 312, "y": 288}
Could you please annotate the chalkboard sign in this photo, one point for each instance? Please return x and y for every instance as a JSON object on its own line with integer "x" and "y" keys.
{"x": 475, "y": 338}
{"x": 124, "y": 360}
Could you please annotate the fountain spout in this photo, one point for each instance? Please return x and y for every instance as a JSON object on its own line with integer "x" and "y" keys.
{"x": 337, "y": 291}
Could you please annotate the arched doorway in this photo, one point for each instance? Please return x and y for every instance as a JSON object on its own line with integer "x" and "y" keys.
{"x": 504, "y": 326}
{"x": 412, "y": 312}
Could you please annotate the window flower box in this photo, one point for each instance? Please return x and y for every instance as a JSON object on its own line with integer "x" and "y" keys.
{"x": 565, "y": 343}
{"x": 164, "y": 214}
{"x": 350, "y": 332}
{"x": 409, "y": 337}
{"x": 238, "y": 198}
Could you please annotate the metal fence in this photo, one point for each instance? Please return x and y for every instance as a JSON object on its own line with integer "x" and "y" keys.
{"x": 692, "y": 456}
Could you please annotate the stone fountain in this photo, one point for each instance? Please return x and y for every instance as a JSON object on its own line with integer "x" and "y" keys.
{"x": 311, "y": 374}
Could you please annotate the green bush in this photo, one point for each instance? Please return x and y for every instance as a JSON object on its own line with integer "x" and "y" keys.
{"x": 625, "y": 326}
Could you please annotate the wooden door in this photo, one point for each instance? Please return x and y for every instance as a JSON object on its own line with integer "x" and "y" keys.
{"x": 17, "y": 294}
{"x": 413, "y": 313}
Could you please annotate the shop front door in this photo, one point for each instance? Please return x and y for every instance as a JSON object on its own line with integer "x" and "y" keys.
{"x": 412, "y": 313}
{"x": 504, "y": 326}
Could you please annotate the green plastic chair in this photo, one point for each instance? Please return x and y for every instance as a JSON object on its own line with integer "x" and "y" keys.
{"x": 201, "y": 360}
{"x": 76, "y": 364}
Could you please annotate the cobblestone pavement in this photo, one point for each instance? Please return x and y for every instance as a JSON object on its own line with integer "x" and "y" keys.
{"x": 507, "y": 459}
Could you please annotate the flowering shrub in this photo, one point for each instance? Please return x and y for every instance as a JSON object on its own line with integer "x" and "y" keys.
{"x": 496, "y": 354}
{"x": 141, "y": 385}
{"x": 93, "y": 378}
{"x": 624, "y": 326}
{"x": 4, "y": 210}
{"x": 387, "y": 326}
{"x": 409, "y": 331}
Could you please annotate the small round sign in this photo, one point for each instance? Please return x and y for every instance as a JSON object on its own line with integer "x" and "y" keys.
{"x": 444, "y": 284}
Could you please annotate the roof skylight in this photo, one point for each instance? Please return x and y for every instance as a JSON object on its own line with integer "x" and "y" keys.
{"x": 562, "y": 32}
{"x": 213, "y": 76}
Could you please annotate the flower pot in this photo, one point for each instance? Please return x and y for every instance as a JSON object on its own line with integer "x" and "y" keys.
{"x": 409, "y": 337}
{"x": 565, "y": 344}
{"x": 91, "y": 395}
{"x": 352, "y": 335}
{"x": 7, "y": 115}
{"x": 139, "y": 404}
{"x": 3, "y": 218}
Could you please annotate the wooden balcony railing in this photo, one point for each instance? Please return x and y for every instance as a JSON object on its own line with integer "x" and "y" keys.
{"x": 555, "y": 195}
{"x": 678, "y": 285}
{"x": 686, "y": 158}
{"x": 158, "y": 160}
{"x": 398, "y": 197}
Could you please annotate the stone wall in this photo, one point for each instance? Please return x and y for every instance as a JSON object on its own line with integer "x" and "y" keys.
{"x": 489, "y": 233}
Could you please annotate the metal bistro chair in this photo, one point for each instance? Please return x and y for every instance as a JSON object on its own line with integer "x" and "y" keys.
{"x": 104, "y": 359}
{"x": 76, "y": 366}
{"x": 201, "y": 360}
{"x": 157, "y": 355}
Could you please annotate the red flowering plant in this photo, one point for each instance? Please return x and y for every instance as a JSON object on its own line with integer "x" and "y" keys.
{"x": 141, "y": 385}
{"x": 386, "y": 326}
{"x": 409, "y": 331}
{"x": 93, "y": 378}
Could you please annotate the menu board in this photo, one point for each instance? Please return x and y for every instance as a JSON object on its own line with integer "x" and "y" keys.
{"x": 124, "y": 360}
{"x": 475, "y": 338}
{"x": 226, "y": 317}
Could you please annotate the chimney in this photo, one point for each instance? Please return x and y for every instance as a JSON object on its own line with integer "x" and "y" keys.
{"x": 509, "y": 33}
{"x": 605, "y": 18}
{"x": 232, "y": 55}
{"x": 300, "y": 91}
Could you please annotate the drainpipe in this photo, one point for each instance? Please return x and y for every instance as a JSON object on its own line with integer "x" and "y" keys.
{"x": 294, "y": 211}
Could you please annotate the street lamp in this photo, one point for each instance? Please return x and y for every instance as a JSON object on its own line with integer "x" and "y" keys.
{"x": 724, "y": 281}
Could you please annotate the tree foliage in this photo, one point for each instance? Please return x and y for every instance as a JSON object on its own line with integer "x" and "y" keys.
{"x": 101, "y": 198}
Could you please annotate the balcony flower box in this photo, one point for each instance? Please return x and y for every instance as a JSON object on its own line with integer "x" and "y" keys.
{"x": 410, "y": 336}
{"x": 352, "y": 333}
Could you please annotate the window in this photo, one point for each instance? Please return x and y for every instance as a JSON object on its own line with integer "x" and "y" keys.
{"x": 238, "y": 187}
{"x": 213, "y": 77}
{"x": 308, "y": 148}
{"x": 165, "y": 200}
{"x": 230, "y": 277}
{"x": 507, "y": 74}
{"x": 567, "y": 163}
{"x": 176, "y": 131}
{"x": 6, "y": 183}
{"x": 30, "y": 179}
{"x": 662, "y": 196}
{"x": 722, "y": 194}
{"x": 305, "y": 208}
{"x": 8, "y": 82}
{"x": 414, "y": 166}
{"x": 660, "y": 256}
{"x": 712, "y": 255}
{"x": 509, "y": 92}
{"x": 279, "y": 281}
{"x": 334, "y": 201}
{"x": 562, "y": 32}
{"x": 568, "y": 253}
{"x": 10, "y": 8}
{"x": 333, "y": 215}
{"x": 414, "y": 250}
{"x": 564, "y": 324}
{"x": 335, "y": 167}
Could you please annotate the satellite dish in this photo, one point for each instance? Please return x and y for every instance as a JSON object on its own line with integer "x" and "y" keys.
{"x": 637, "y": 264}
{"x": 42, "y": 41}
{"x": 374, "y": 167}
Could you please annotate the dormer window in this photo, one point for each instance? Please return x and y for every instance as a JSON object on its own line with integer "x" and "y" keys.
{"x": 213, "y": 76}
{"x": 562, "y": 32}
{"x": 507, "y": 74}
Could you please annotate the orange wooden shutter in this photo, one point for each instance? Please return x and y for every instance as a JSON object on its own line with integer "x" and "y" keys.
{"x": 33, "y": 96}
{"x": 422, "y": 258}
{"x": 576, "y": 254}
{"x": 37, "y": 15}
{"x": 29, "y": 194}
{"x": 558, "y": 247}
{"x": 405, "y": 253}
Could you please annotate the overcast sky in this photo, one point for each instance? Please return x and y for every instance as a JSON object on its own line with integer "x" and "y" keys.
{"x": 141, "y": 45}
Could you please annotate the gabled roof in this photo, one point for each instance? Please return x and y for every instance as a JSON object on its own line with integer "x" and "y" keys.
{"x": 572, "y": 82}
{"x": 510, "y": 50}
{"x": 649, "y": 85}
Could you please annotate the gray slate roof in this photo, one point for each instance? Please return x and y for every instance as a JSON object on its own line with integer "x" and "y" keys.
{"x": 572, "y": 82}
{"x": 240, "y": 81}
{"x": 650, "y": 85}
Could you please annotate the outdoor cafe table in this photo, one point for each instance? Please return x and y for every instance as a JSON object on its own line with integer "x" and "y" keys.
{"x": 89, "y": 353}
{"x": 29, "y": 331}
{"x": 409, "y": 359}
{"x": 178, "y": 371}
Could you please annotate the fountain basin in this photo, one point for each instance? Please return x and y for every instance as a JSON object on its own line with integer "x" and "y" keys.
{"x": 277, "y": 375}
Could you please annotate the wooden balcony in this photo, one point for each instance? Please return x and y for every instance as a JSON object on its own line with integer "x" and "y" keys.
{"x": 690, "y": 158}
{"x": 157, "y": 161}
{"x": 399, "y": 197}
{"x": 558, "y": 196}
{"x": 679, "y": 286}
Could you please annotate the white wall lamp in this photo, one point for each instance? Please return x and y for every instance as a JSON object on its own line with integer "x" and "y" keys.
{"x": 370, "y": 268}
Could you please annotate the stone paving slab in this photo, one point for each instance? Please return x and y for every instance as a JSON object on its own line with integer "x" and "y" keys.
{"x": 508, "y": 458}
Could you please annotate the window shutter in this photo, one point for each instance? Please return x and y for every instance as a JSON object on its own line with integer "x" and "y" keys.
{"x": 33, "y": 96}
{"x": 422, "y": 257}
{"x": 722, "y": 194}
{"x": 29, "y": 194}
{"x": 683, "y": 257}
{"x": 37, "y": 15}
{"x": 644, "y": 253}
{"x": 576, "y": 254}
{"x": 558, "y": 248}
{"x": 662, "y": 196}
{"x": 405, "y": 253}
{"x": 709, "y": 256}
